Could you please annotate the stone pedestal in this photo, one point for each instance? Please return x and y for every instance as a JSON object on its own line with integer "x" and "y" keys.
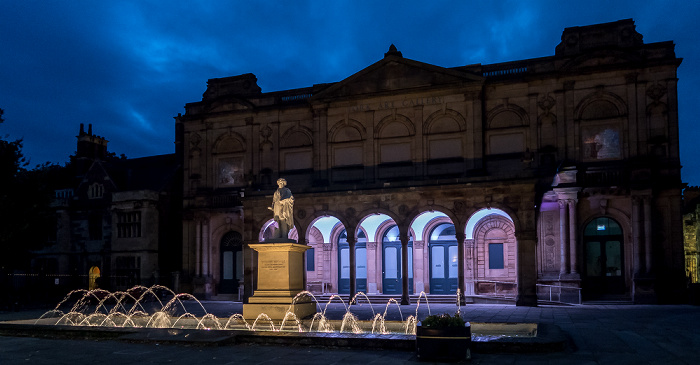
{"x": 280, "y": 279}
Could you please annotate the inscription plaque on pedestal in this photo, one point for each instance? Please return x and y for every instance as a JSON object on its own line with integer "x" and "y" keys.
{"x": 280, "y": 279}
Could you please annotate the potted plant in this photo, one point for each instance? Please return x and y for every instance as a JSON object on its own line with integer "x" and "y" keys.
{"x": 442, "y": 337}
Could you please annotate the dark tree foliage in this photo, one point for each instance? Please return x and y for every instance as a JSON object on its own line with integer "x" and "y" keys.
{"x": 27, "y": 221}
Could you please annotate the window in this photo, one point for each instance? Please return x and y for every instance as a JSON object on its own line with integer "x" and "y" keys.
{"x": 128, "y": 224}
{"x": 496, "y": 256}
{"x": 128, "y": 271}
{"x": 96, "y": 191}
{"x": 310, "y": 264}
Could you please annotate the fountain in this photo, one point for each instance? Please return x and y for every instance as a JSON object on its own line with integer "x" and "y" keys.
{"x": 158, "y": 314}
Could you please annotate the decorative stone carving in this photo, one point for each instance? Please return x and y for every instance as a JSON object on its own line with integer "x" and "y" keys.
{"x": 656, "y": 91}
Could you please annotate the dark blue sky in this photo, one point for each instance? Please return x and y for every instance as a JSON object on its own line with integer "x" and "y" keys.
{"x": 129, "y": 67}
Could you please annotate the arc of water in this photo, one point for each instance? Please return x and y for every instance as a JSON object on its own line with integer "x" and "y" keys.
{"x": 424, "y": 296}
{"x": 386, "y": 309}
{"x": 263, "y": 316}
{"x": 293, "y": 316}
{"x": 237, "y": 317}
{"x": 354, "y": 302}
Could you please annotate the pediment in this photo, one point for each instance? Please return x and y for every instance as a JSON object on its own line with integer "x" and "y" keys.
{"x": 395, "y": 73}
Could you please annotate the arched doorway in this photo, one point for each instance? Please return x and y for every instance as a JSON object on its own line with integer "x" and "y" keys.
{"x": 391, "y": 265}
{"x": 603, "y": 271}
{"x": 360, "y": 263}
{"x": 444, "y": 265}
{"x": 231, "y": 262}
{"x": 93, "y": 278}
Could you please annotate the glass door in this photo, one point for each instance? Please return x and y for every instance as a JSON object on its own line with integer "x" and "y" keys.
{"x": 603, "y": 271}
{"x": 392, "y": 276}
{"x": 444, "y": 264}
{"x": 231, "y": 273}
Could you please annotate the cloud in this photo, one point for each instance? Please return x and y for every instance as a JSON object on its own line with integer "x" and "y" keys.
{"x": 129, "y": 66}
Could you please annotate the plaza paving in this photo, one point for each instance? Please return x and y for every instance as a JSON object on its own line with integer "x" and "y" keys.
{"x": 599, "y": 334}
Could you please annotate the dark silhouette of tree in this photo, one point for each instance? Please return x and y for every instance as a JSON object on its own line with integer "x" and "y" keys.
{"x": 26, "y": 219}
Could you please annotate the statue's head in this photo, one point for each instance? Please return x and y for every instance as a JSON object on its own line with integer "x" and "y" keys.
{"x": 281, "y": 182}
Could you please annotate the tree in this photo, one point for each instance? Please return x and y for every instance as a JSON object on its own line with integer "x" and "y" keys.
{"x": 26, "y": 217}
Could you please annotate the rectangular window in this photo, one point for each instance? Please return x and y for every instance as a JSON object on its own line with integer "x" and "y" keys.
{"x": 496, "y": 256}
{"x": 228, "y": 265}
{"x": 391, "y": 270}
{"x": 310, "y": 263}
{"x": 128, "y": 224}
{"x": 361, "y": 263}
{"x": 345, "y": 263}
{"x": 454, "y": 264}
{"x": 128, "y": 271}
{"x": 438, "y": 262}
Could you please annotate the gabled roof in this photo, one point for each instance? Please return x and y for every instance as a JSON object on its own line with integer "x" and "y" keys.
{"x": 394, "y": 72}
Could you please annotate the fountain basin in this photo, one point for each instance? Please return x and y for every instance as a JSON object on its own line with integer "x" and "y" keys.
{"x": 486, "y": 337}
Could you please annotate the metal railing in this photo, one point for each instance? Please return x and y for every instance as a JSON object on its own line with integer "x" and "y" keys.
{"x": 555, "y": 294}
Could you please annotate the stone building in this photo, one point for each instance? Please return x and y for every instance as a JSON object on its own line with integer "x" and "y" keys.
{"x": 558, "y": 175}
{"x": 117, "y": 220}
{"x": 691, "y": 227}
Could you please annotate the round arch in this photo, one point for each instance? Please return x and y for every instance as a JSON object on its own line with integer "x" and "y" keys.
{"x": 223, "y": 138}
{"x": 517, "y": 110}
{"x": 447, "y": 113}
{"x": 478, "y": 214}
{"x": 614, "y": 99}
{"x": 348, "y": 123}
{"x": 398, "y": 118}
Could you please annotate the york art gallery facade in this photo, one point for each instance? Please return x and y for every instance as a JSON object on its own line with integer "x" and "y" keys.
{"x": 493, "y": 179}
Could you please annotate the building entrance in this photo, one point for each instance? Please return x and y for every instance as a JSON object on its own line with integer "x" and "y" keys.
{"x": 443, "y": 260}
{"x": 603, "y": 251}
{"x": 231, "y": 262}
{"x": 392, "y": 276}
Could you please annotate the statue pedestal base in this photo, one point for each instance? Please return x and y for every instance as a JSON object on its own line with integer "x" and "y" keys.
{"x": 280, "y": 279}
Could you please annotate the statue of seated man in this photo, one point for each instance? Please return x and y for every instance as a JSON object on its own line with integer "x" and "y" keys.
{"x": 283, "y": 209}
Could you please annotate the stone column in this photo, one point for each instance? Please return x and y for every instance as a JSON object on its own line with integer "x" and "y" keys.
{"x": 460, "y": 265}
{"x": 647, "y": 234}
{"x": 564, "y": 258}
{"x": 470, "y": 272}
{"x": 418, "y": 265}
{"x": 372, "y": 276}
{"x": 527, "y": 269}
{"x": 572, "y": 235}
{"x": 198, "y": 247}
{"x": 404, "y": 269}
{"x": 636, "y": 237}
{"x": 352, "y": 241}
{"x": 328, "y": 268}
{"x": 206, "y": 250}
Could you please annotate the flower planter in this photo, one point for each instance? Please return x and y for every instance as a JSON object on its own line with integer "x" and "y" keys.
{"x": 443, "y": 343}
